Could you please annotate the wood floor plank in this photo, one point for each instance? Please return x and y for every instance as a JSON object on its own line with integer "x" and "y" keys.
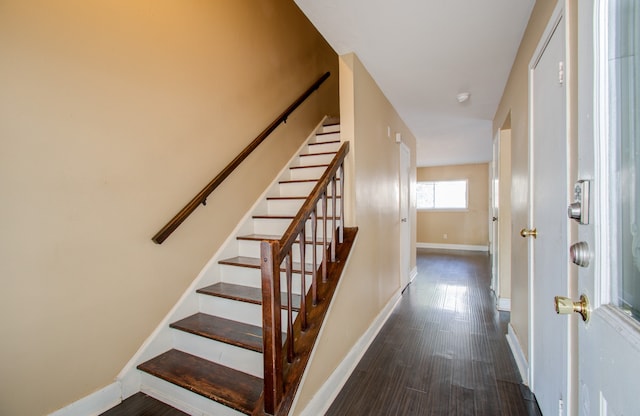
{"x": 142, "y": 405}
{"x": 442, "y": 351}
{"x": 461, "y": 401}
{"x": 508, "y": 393}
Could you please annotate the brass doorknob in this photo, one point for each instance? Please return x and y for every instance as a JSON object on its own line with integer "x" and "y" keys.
{"x": 565, "y": 306}
{"x": 529, "y": 233}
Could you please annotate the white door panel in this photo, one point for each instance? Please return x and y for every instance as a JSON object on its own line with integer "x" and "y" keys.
{"x": 405, "y": 224}
{"x": 548, "y": 201}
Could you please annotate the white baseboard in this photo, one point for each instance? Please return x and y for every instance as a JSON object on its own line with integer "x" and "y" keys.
{"x": 518, "y": 355}
{"x": 504, "y": 304}
{"x": 453, "y": 246}
{"x": 413, "y": 274}
{"x": 95, "y": 403}
{"x": 323, "y": 398}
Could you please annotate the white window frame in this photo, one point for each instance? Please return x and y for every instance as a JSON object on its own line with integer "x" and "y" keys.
{"x": 445, "y": 209}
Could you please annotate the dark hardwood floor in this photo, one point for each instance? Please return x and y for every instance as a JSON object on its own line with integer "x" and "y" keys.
{"x": 443, "y": 350}
{"x": 142, "y": 405}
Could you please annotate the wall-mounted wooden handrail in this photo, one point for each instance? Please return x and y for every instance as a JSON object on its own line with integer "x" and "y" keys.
{"x": 201, "y": 197}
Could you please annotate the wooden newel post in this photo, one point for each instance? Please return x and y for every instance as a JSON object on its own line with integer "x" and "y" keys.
{"x": 271, "y": 325}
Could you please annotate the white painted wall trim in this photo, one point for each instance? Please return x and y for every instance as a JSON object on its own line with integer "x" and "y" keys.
{"x": 518, "y": 354}
{"x": 413, "y": 274}
{"x": 504, "y": 304}
{"x": 95, "y": 403}
{"x": 325, "y": 396}
{"x": 454, "y": 246}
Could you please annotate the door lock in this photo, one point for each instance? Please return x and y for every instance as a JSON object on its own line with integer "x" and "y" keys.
{"x": 565, "y": 306}
{"x": 580, "y": 254}
{"x": 579, "y": 209}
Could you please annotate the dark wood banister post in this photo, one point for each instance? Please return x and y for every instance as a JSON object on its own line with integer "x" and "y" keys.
{"x": 272, "y": 253}
{"x": 201, "y": 197}
{"x": 271, "y": 325}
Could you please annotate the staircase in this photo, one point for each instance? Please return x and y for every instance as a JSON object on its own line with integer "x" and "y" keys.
{"x": 208, "y": 359}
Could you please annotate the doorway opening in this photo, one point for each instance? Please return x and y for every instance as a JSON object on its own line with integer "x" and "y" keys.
{"x": 501, "y": 227}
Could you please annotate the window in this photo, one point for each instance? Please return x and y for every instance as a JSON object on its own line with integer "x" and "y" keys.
{"x": 442, "y": 195}
{"x": 624, "y": 133}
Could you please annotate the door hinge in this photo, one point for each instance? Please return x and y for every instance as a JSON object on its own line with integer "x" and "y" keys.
{"x": 560, "y": 407}
{"x": 561, "y": 73}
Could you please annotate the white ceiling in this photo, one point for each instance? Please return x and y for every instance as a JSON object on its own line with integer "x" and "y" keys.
{"x": 422, "y": 53}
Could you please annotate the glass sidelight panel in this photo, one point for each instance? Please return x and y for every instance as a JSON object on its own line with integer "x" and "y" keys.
{"x": 624, "y": 133}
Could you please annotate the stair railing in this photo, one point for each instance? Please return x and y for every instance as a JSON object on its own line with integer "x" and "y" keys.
{"x": 201, "y": 197}
{"x": 275, "y": 253}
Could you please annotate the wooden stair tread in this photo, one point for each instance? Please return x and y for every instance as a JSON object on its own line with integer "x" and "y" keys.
{"x": 233, "y": 388}
{"x": 318, "y": 154}
{"x": 286, "y": 217}
{"x": 327, "y": 142}
{"x": 267, "y": 237}
{"x": 254, "y": 263}
{"x": 285, "y": 198}
{"x": 245, "y": 294}
{"x": 308, "y": 167}
{"x": 259, "y": 237}
{"x": 302, "y": 180}
{"x": 299, "y": 181}
{"x": 223, "y": 330}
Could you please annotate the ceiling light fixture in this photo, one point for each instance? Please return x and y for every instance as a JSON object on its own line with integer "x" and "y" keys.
{"x": 463, "y": 96}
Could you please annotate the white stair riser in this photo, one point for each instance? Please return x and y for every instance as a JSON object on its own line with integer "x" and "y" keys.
{"x": 329, "y": 136}
{"x": 248, "y": 313}
{"x": 250, "y": 248}
{"x": 251, "y": 277}
{"x": 273, "y": 226}
{"x": 323, "y": 147}
{"x": 292, "y": 206}
{"x": 315, "y": 159}
{"x": 289, "y": 189}
{"x": 330, "y": 128}
{"x": 306, "y": 173}
{"x": 284, "y": 206}
{"x": 183, "y": 399}
{"x": 241, "y": 359}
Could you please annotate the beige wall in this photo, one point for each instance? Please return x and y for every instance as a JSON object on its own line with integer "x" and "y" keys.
{"x": 372, "y": 277}
{"x": 113, "y": 114}
{"x": 514, "y": 102}
{"x": 468, "y": 227}
{"x": 505, "y": 225}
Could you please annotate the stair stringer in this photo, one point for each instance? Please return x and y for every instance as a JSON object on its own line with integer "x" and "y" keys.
{"x": 326, "y": 319}
{"x": 162, "y": 338}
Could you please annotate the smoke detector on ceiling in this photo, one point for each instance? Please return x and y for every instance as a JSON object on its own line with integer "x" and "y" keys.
{"x": 463, "y": 96}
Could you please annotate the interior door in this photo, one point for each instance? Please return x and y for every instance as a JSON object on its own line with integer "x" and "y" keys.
{"x": 609, "y": 158}
{"x": 548, "y": 228}
{"x": 495, "y": 212}
{"x": 405, "y": 227}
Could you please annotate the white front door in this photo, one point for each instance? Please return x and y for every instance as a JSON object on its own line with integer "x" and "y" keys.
{"x": 549, "y": 335}
{"x": 405, "y": 227}
{"x": 609, "y": 158}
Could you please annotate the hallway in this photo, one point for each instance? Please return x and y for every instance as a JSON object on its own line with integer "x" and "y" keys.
{"x": 443, "y": 350}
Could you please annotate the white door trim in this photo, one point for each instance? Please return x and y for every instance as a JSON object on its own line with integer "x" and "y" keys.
{"x": 494, "y": 228}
